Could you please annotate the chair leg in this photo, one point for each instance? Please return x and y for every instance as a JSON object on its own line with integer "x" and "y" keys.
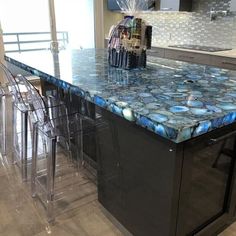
{"x": 24, "y": 138}
{"x": 51, "y": 169}
{"x": 4, "y": 135}
{"x": 79, "y": 142}
{"x": 34, "y": 159}
{"x": 14, "y": 133}
{"x": 81, "y": 154}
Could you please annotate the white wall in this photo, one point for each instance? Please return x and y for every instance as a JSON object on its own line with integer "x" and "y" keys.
{"x": 104, "y": 19}
{"x": 1, "y": 46}
{"x": 24, "y": 15}
{"x": 76, "y": 17}
{"x": 110, "y": 18}
{"x": 1, "y": 52}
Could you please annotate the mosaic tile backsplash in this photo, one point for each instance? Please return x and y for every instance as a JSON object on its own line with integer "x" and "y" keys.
{"x": 194, "y": 27}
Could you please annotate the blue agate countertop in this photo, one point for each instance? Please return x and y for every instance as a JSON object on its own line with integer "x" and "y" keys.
{"x": 176, "y": 100}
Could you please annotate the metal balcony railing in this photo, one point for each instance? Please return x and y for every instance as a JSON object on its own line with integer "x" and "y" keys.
{"x": 32, "y": 41}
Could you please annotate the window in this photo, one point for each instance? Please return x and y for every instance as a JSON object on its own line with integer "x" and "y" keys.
{"x": 76, "y": 17}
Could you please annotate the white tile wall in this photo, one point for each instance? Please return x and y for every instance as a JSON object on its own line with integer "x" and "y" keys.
{"x": 194, "y": 27}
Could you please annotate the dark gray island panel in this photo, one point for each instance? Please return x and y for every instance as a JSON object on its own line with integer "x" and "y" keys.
{"x": 155, "y": 187}
{"x": 138, "y": 177}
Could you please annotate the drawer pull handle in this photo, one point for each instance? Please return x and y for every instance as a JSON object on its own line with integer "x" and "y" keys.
{"x": 187, "y": 57}
{"x": 216, "y": 140}
{"x": 156, "y": 52}
{"x": 166, "y": 9}
{"x": 228, "y": 63}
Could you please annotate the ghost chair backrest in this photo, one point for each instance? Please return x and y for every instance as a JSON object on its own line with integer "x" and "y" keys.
{"x": 35, "y": 100}
{"x": 13, "y": 87}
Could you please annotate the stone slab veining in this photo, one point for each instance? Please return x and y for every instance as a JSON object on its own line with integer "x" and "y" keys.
{"x": 176, "y": 100}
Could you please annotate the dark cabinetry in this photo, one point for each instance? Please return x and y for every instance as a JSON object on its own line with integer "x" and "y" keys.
{"x": 207, "y": 183}
{"x": 174, "y": 5}
{"x": 158, "y": 5}
{"x": 155, "y": 187}
{"x": 114, "y": 6}
{"x": 138, "y": 180}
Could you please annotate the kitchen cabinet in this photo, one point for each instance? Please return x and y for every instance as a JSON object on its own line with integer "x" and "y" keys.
{"x": 112, "y": 5}
{"x": 187, "y": 56}
{"x": 175, "y": 5}
{"x": 158, "y": 5}
{"x": 207, "y": 183}
{"x": 154, "y": 187}
{"x": 138, "y": 177}
{"x": 194, "y": 57}
{"x": 157, "y": 52}
{"x": 223, "y": 62}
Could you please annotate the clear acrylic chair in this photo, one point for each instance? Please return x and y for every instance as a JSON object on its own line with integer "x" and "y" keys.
{"x": 19, "y": 120}
{"x": 3, "y": 135}
{"x": 57, "y": 157}
{"x": 21, "y": 129}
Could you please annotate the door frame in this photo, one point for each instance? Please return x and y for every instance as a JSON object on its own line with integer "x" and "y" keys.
{"x": 99, "y": 35}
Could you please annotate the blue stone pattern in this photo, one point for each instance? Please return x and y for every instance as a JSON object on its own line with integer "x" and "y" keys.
{"x": 176, "y": 100}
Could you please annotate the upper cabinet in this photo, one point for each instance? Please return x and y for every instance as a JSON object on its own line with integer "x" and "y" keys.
{"x": 112, "y": 5}
{"x": 159, "y": 5}
{"x": 174, "y": 5}
{"x": 233, "y": 5}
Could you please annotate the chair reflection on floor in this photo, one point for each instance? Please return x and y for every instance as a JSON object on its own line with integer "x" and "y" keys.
{"x": 2, "y": 121}
{"x": 223, "y": 150}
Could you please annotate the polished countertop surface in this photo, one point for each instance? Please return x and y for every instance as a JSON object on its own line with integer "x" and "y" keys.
{"x": 176, "y": 100}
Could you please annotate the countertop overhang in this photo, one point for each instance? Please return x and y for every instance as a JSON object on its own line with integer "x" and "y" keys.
{"x": 176, "y": 100}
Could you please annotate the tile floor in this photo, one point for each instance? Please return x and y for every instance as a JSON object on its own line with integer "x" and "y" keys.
{"x": 21, "y": 215}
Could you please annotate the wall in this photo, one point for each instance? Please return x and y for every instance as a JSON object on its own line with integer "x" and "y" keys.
{"x": 110, "y": 18}
{"x": 1, "y": 46}
{"x": 1, "y": 53}
{"x": 194, "y": 27}
{"x": 104, "y": 19}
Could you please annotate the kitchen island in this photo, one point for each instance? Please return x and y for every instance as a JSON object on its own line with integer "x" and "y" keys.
{"x": 166, "y": 159}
